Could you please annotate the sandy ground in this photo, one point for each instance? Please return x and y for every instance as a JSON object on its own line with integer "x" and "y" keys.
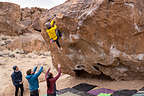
{"x": 26, "y": 61}
{"x": 115, "y": 85}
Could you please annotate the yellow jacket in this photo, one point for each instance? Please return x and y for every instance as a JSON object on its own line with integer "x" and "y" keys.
{"x": 52, "y": 22}
{"x": 52, "y": 32}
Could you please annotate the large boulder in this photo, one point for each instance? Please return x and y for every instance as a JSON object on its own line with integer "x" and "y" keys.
{"x": 101, "y": 37}
{"x": 10, "y": 19}
{"x": 30, "y": 17}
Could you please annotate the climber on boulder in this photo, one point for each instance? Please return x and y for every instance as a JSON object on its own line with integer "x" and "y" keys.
{"x": 53, "y": 33}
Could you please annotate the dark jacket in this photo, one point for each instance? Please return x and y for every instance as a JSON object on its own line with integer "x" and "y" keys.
{"x": 33, "y": 79}
{"x": 16, "y": 78}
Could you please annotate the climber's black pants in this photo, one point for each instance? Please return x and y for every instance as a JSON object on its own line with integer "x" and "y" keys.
{"x": 58, "y": 33}
{"x": 17, "y": 89}
{"x": 57, "y": 42}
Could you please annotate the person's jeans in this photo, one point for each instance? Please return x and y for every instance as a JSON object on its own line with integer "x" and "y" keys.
{"x": 34, "y": 93}
{"x": 17, "y": 89}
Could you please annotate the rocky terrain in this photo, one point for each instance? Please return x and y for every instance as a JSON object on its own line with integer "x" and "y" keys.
{"x": 9, "y": 19}
{"x": 16, "y": 21}
{"x": 24, "y": 62}
{"x": 23, "y": 26}
{"x": 100, "y": 37}
{"x": 25, "y": 53}
{"x": 30, "y": 17}
{"x": 20, "y": 44}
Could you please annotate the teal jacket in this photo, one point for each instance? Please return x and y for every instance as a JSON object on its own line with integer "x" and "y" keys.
{"x": 33, "y": 79}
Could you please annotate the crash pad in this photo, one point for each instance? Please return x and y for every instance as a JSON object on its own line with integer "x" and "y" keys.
{"x": 139, "y": 93}
{"x": 101, "y": 90}
{"x": 104, "y": 94}
{"x": 69, "y": 94}
{"x": 84, "y": 87}
{"x": 124, "y": 92}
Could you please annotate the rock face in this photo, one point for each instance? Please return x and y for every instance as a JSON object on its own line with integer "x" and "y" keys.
{"x": 28, "y": 43}
{"x": 21, "y": 25}
{"x": 30, "y": 17}
{"x": 9, "y": 19}
{"x": 102, "y": 36}
{"x": 16, "y": 21}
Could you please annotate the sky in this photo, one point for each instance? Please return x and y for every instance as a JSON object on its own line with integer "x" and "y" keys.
{"x": 36, "y": 3}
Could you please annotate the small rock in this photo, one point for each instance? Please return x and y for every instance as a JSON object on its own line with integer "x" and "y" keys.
{"x": 3, "y": 53}
{"x": 2, "y": 43}
{"x": 12, "y": 55}
{"x": 7, "y": 42}
{"x": 18, "y": 51}
{"x": 4, "y": 37}
{"x": 31, "y": 55}
{"x": 45, "y": 53}
{"x": 19, "y": 55}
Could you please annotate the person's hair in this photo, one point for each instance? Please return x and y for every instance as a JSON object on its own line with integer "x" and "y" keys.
{"x": 28, "y": 72}
{"x": 14, "y": 68}
{"x": 49, "y": 76}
